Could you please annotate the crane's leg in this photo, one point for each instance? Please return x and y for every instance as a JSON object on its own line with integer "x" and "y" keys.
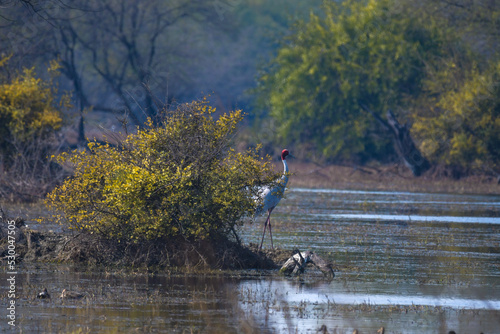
{"x": 270, "y": 233}
{"x": 265, "y": 226}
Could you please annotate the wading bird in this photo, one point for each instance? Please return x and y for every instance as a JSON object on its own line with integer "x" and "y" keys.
{"x": 271, "y": 197}
{"x": 44, "y": 294}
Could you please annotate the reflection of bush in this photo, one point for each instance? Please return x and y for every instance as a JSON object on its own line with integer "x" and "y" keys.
{"x": 29, "y": 120}
{"x": 175, "y": 180}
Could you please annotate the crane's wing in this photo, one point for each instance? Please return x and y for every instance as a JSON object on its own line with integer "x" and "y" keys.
{"x": 268, "y": 198}
{"x": 260, "y": 200}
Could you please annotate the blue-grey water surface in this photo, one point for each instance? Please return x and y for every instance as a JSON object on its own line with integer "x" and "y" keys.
{"x": 408, "y": 262}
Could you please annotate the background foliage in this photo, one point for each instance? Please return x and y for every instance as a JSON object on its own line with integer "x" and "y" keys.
{"x": 31, "y": 117}
{"x": 462, "y": 127}
{"x": 29, "y": 108}
{"x": 433, "y": 63}
{"x": 373, "y": 53}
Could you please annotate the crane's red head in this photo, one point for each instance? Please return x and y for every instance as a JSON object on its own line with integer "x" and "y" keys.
{"x": 284, "y": 153}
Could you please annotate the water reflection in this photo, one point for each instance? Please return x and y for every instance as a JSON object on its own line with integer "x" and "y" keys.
{"x": 414, "y": 218}
{"x": 297, "y": 306}
{"x": 249, "y": 303}
{"x": 117, "y": 302}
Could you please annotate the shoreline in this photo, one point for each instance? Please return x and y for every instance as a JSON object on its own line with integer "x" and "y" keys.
{"x": 386, "y": 178}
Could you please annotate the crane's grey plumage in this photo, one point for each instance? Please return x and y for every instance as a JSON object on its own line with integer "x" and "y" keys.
{"x": 271, "y": 197}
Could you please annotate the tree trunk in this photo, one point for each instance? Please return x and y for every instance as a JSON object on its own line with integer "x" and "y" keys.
{"x": 405, "y": 147}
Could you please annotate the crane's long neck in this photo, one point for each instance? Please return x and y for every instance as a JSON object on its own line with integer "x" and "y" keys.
{"x": 285, "y": 172}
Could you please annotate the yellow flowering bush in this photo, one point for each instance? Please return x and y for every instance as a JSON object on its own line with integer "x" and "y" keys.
{"x": 175, "y": 178}
{"x": 31, "y": 112}
{"x": 29, "y": 108}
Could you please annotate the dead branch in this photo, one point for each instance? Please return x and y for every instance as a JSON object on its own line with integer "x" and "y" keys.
{"x": 296, "y": 264}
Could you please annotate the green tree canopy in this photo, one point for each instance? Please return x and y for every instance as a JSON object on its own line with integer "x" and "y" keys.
{"x": 461, "y": 127}
{"x": 357, "y": 52}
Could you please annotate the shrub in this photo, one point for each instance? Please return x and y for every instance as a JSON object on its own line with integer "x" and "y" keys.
{"x": 29, "y": 108}
{"x": 30, "y": 118}
{"x": 175, "y": 178}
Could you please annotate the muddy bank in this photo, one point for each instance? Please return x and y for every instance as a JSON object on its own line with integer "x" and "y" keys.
{"x": 35, "y": 246}
{"x": 390, "y": 178}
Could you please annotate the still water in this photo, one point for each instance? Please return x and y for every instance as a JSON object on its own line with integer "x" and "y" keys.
{"x": 408, "y": 262}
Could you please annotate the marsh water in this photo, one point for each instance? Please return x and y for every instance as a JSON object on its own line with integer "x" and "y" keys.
{"x": 408, "y": 262}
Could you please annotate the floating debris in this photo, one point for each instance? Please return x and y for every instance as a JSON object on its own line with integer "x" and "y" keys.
{"x": 296, "y": 264}
{"x": 71, "y": 294}
{"x": 323, "y": 330}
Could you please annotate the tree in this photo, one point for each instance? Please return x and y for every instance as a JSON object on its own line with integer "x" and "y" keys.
{"x": 129, "y": 50}
{"x": 30, "y": 118}
{"x": 462, "y": 127}
{"x": 175, "y": 179}
{"x": 476, "y": 21}
{"x": 358, "y": 53}
{"x": 456, "y": 119}
{"x": 117, "y": 56}
{"x": 29, "y": 110}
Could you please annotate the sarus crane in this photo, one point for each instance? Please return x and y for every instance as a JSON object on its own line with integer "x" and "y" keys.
{"x": 270, "y": 197}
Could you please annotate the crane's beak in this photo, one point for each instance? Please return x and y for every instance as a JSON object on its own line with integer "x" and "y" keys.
{"x": 290, "y": 155}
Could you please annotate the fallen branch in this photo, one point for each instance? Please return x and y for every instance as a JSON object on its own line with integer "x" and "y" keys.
{"x": 296, "y": 264}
